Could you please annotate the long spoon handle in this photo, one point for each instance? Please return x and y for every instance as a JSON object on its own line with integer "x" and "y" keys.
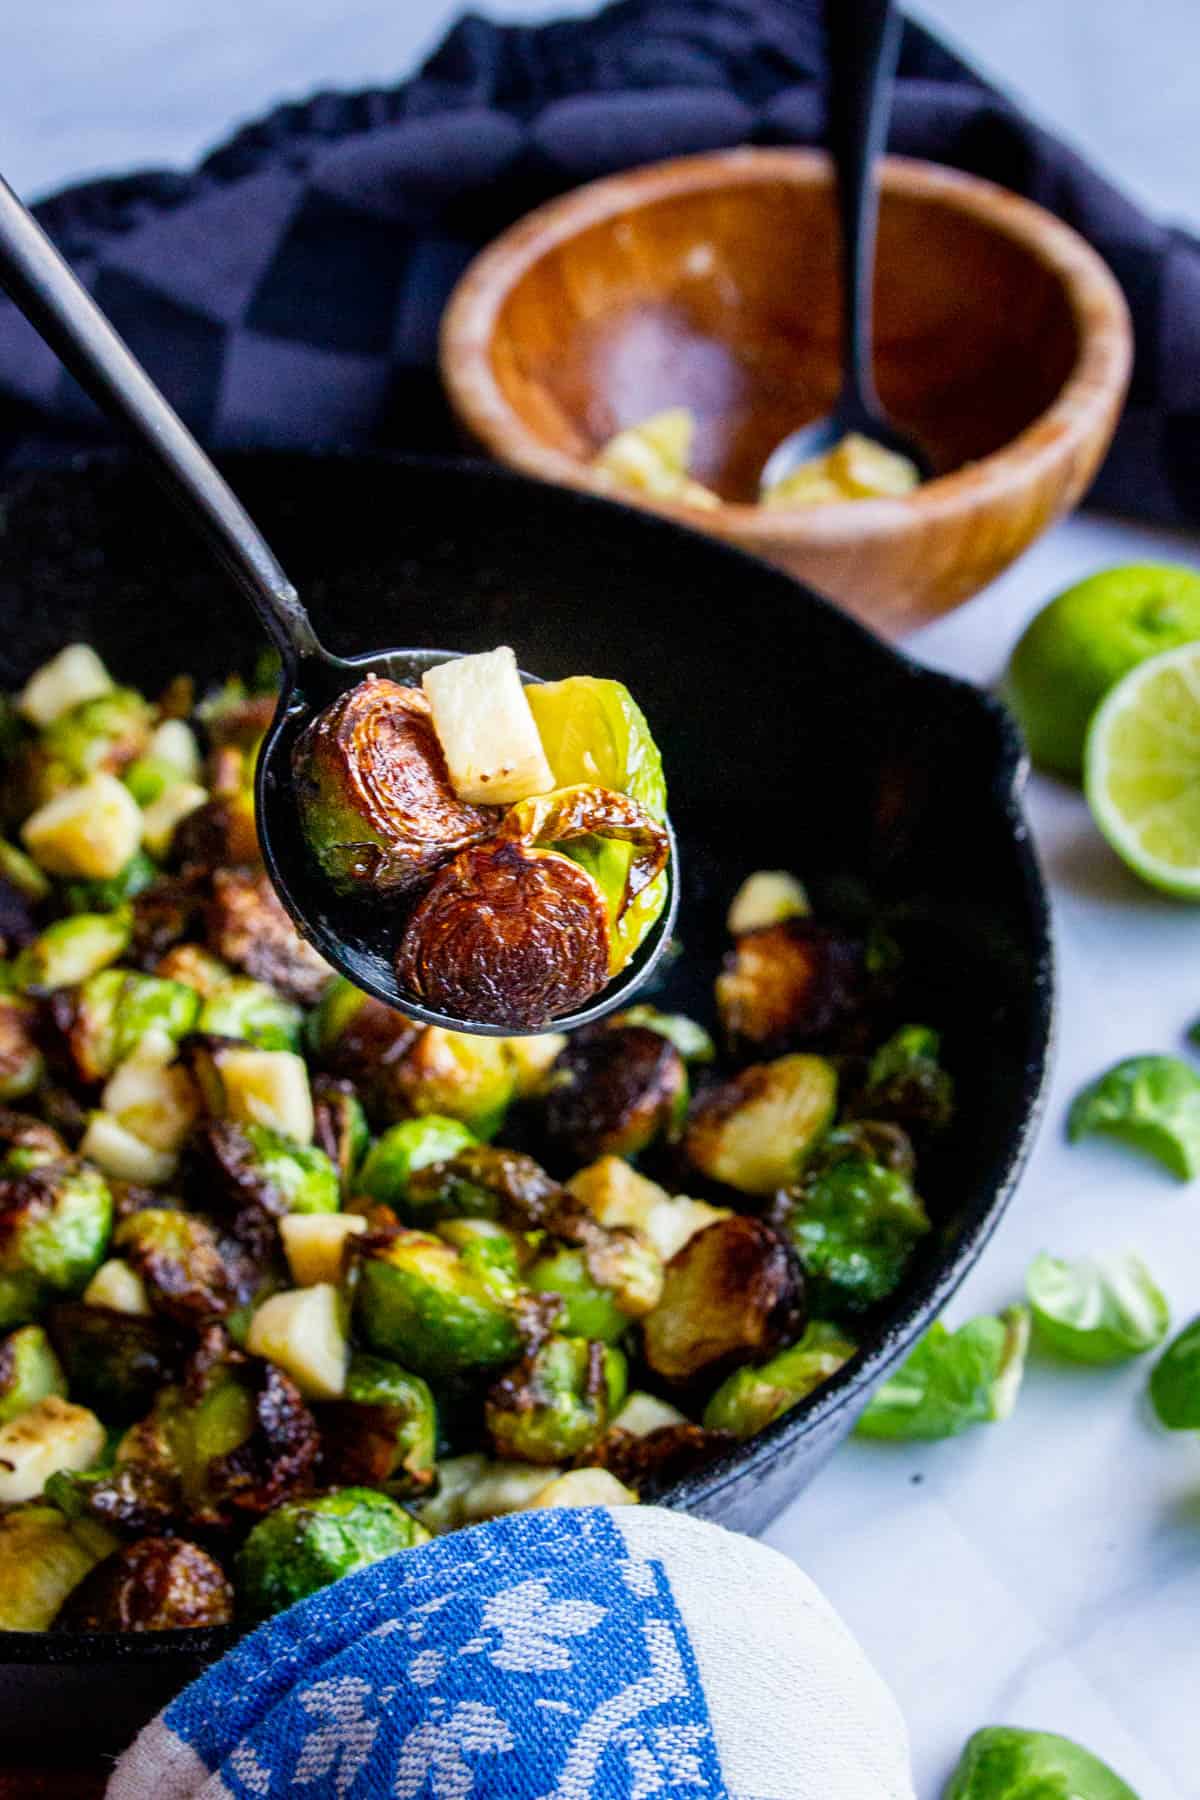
{"x": 60, "y": 308}
{"x": 864, "y": 41}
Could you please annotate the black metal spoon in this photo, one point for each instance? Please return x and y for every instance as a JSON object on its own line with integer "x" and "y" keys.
{"x": 348, "y": 934}
{"x": 864, "y": 41}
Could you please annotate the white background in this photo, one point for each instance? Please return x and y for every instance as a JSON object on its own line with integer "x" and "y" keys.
{"x": 1045, "y": 1572}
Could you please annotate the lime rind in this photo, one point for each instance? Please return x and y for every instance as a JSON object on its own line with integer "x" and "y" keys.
{"x": 1142, "y": 770}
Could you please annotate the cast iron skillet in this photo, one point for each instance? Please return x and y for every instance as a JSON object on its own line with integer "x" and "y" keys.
{"x": 792, "y": 738}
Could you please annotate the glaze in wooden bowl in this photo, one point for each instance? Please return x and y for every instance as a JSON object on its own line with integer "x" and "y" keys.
{"x": 1003, "y": 343}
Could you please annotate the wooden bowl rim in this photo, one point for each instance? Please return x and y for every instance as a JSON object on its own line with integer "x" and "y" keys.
{"x": 1082, "y": 407}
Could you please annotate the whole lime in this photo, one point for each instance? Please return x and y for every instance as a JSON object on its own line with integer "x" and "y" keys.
{"x": 1081, "y": 643}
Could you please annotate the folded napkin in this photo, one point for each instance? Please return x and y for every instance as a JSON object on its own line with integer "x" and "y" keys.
{"x": 580, "y": 1654}
{"x": 286, "y": 293}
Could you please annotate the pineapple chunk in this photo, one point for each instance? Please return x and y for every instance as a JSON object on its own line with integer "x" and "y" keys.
{"x": 532, "y": 1057}
{"x": 767, "y": 897}
{"x": 314, "y": 1244}
{"x": 119, "y": 1288}
{"x": 505, "y": 1488}
{"x": 268, "y": 1087}
{"x": 652, "y": 458}
{"x": 113, "y": 1148}
{"x": 152, "y": 1096}
{"x": 485, "y": 728}
{"x": 855, "y": 469}
{"x": 52, "y": 1435}
{"x": 76, "y": 674}
{"x": 161, "y": 818}
{"x": 617, "y": 1195}
{"x": 644, "y": 1413}
{"x": 585, "y": 1487}
{"x": 87, "y": 832}
{"x": 174, "y": 743}
{"x": 303, "y": 1330}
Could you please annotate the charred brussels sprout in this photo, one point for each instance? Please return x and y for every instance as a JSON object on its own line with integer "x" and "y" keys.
{"x": 456, "y": 1075}
{"x": 43, "y": 1556}
{"x": 613, "y": 1091}
{"x": 340, "y": 1126}
{"x": 689, "y": 1038}
{"x": 419, "y": 1301}
{"x": 751, "y": 1399}
{"x": 306, "y": 1544}
{"x": 907, "y": 1084}
{"x": 29, "y": 1370}
{"x": 301, "y": 1173}
{"x": 383, "y": 1432}
{"x": 753, "y": 1133}
{"x": 730, "y": 1294}
{"x": 111, "y": 1013}
{"x": 557, "y": 1402}
{"x": 853, "y": 1223}
{"x": 377, "y": 807}
{"x": 789, "y": 984}
{"x": 351, "y": 1034}
{"x": 249, "y": 1177}
{"x": 115, "y": 1361}
{"x": 187, "y": 1276}
{"x": 395, "y": 1158}
{"x": 28, "y": 1143}
{"x": 71, "y": 950}
{"x": 21, "y": 1064}
{"x": 103, "y": 733}
{"x": 247, "y": 927}
{"x": 250, "y": 1010}
{"x": 55, "y": 1223}
{"x": 155, "y": 1584}
{"x": 481, "y": 1182}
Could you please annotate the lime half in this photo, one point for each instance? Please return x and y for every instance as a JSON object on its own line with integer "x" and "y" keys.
{"x": 1142, "y": 770}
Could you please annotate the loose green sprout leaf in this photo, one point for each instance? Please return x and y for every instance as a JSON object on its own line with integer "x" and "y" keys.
{"x": 1151, "y": 1103}
{"x": 1004, "y": 1763}
{"x": 1175, "y": 1382}
{"x": 403, "y": 1149}
{"x": 305, "y": 1544}
{"x": 854, "y": 1225}
{"x": 1102, "y": 1309}
{"x": 953, "y": 1379}
{"x": 751, "y": 1399}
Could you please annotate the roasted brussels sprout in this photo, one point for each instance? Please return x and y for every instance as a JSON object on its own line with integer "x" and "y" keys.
{"x": 247, "y": 927}
{"x": 155, "y": 1584}
{"x": 340, "y": 1126}
{"x": 29, "y": 1370}
{"x": 754, "y": 1132}
{"x": 854, "y": 1224}
{"x": 906, "y": 1083}
{"x": 377, "y": 807}
{"x": 352, "y": 1034}
{"x": 953, "y": 1379}
{"x": 732, "y": 1293}
{"x": 71, "y": 950}
{"x": 690, "y": 1038}
{"x": 649, "y": 1461}
{"x": 105, "y": 732}
{"x": 250, "y": 1010}
{"x": 1151, "y": 1103}
{"x": 478, "y": 1181}
{"x": 21, "y": 1062}
{"x": 306, "y": 1544}
{"x": 55, "y": 1222}
{"x": 106, "y": 1019}
{"x": 789, "y": 984}
{"x": 414, "y": 1144}
{"x": 115, "y": 1361}
{"x": 196, "y": 968}
{"x": 590, "y": 1311}
{"x": 557, "y": 1402}
{"x": 139, "y": 873}
{"x": 383, "y": 1433}
{"x": 454, "y": 1074}
{"x": 751, "y": 1399}
{"x": 1003, "y": 1762}
{"x": 418, "y": 1301}
{"x": 162, "y": 917}
{"x": 18, "y": 926}
{"x": 235, "y": 714}
{"x": 613, "y": 1091}
{"x": 249, "y": 1177}
{"x": 189, "y": 1276}
{"x": 27, "y": 1143}
{"x": 43, "y": 1556}
{"x": 484, "y": 1245}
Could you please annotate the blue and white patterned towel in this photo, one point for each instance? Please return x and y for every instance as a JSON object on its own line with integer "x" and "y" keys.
{"x": 564, "y": 1655}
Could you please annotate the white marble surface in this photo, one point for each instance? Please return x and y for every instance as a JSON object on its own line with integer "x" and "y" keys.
{"x": 1044, "y": 1572}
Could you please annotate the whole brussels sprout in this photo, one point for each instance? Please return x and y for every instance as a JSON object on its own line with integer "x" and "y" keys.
{"x": 250, "y": 1010}
{"x": 115, "y": 1361}
{"x": 613, "y": 1091}
{"x": 419, "y": 1301}
{"x": 754, "y": 1132}
{"x": 155, "y": 1584}
{"x": 104, "y": 733}
{"x": 906, "y": 1082}
{"x": 21, "y": 1063}
{"x": 305, "y": 1544}
{"x": 854, "y": 1224}
{"x": 236, "y": 714}
{"x": 139, "y": 873}
{"x": 384, "y": 1432}
{"x": 1004, "y": 1763}
{"x": 752, "y": 1398}
{"x": 188, "y": 1275}
{"x": 29, "y": 1370}
{"x": 71, "y": 950}
{"x": 732, "y": 1293}
{"x": 106, "y": 1019}
{"x": 557, "y": 1402}
{"x": 43, "y": 1555}
{"x": 789, "y": 984}
{"x": 413, "y": 1144}
{"x": 340, "y": 1126}
{"x": 55, "y": 1223}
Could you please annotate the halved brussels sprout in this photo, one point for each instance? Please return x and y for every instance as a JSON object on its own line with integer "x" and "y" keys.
{"x": 216, "y": 832}
{"x": 789, "y": 984}
{"x": 557, "y": 1402}
{"x": 115, "y": 1361}
{"x": 105, "y": 732}
{"x": 155, "y": 1584}
{"x": 139, "y": 873}
{"x": 234, "y": 714}
{"x": 29, "y": 1370}
{"x": 479, "y": 1181}
{"x": 21, "y": 1063}
{"x": 162, "y": 916}
{"x": 690, "y": 1038}
{"x": 55, "y": 1223}
{"x": 110, "y": 1014}
{"x": 252, "y": 1011}
{"x": 196, "y": 968}
{"x": 854, "y": 1223}
{"x": 340, "y": 1126}
{"x": 249, "y": 1177}
{"x": 485, "y": 1246}
{"x": 306, "y": 1544}
{"x": 248, "y": 927}
{"x": 27, "y": 1143}
{"x": 418, "y": 1301}
{"x": 732, "y": 1293}
{"x": 590, "y": 1311}
{"x": 953, "y": 1379}
{"x": 351, "y": 1034}
{"x": 43, "y": 1556}
{"x": 751, "y": 1399}
{"x": 404, "y": 1149}
{"x": 377, "y": 807}
{"x": 613, "y": 1092}
{"x": 383, "y": 1433}
{"x": 648, "y": 1462}
{"x": 906, "y": 1083}
{"x": 188, "y": 1274}
{"x": 457, "y": 1075}
{"x": 71, "y": 950}
{"x": 754, "y": 1132}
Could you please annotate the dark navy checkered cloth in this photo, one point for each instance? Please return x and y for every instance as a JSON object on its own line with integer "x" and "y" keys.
{"x": 286, "y": 293}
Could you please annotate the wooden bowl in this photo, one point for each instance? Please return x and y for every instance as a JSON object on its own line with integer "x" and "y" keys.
{"x": 1003, "y": 344}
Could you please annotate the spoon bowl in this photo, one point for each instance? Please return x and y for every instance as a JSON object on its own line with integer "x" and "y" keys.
{"x": 348, "y": 932}
{"x": 822, "y": 435}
